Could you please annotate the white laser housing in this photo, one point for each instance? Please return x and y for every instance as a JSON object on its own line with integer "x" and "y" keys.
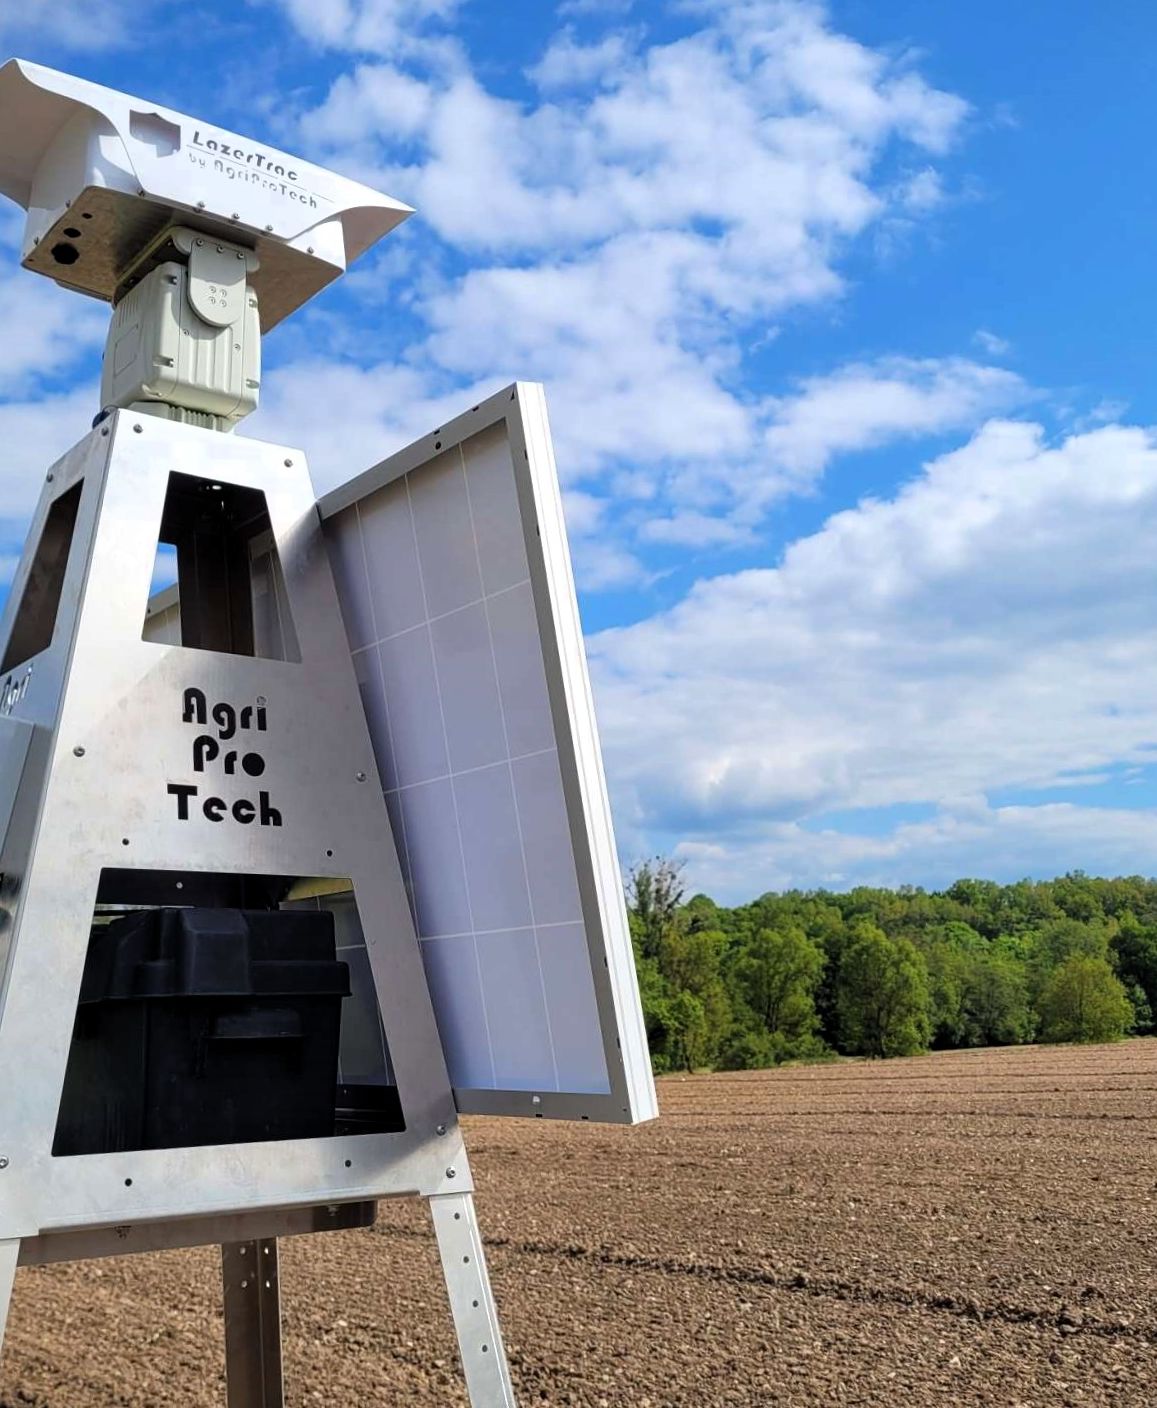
{"x": 102, "y": 174}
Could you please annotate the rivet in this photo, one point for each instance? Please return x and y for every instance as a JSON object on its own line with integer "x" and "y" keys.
{"x": 105, "y": 430}
{"x": 269, "y": 228}
{"x": 261, "y": 699}
{"x": 309, "y": 250}
{"x": 289, "y": 464}
{"x": 240, "y": 255}
{"x": 200, "y": 205}
{"x": 79, "y": 751}
{"x": 451, "y": 1173}
{"x": 3, "y": 1162}
{"x": 361, "y": 777}
{"x": 139, "y": 429}
{"x": 234, "y": 216}
{"x": 49, "y": 478}
{"x": 441, "y": 1129}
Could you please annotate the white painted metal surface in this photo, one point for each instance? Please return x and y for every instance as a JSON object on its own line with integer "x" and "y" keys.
{"x": 455, "y": 582}
{"x": 118, "y": 169}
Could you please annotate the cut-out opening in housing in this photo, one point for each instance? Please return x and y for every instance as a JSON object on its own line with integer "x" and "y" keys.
{"x": 35, "y": 621}
{"x": 229, "y": 592}
{"x": 224, "y": 1009}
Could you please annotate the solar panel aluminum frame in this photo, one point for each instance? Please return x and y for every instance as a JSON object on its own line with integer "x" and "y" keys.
{"x": 521, "y": 410}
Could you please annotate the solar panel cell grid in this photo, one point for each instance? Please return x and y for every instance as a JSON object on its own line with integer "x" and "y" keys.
{"x": 434, "y": 579}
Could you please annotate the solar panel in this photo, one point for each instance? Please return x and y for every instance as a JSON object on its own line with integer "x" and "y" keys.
{"x": 455, "y": 583}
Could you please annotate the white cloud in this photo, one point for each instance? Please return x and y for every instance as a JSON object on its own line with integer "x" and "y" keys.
{"x": 991, "y": 343}
{"x": 78, "y": 24}
{"x": 49, "y": 330}
{"x": 366, "y": 26}
{"x": 1001, "y": 842}
{"x": 867, "y": 404}
{"x": 568, "y": 63}
{"x": 989, "y": 628}
{"x": 35, "y": 433}
{"x": 634, "y": 237}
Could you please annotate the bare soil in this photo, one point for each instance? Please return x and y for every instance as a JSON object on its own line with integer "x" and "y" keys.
{"x": 971, "y": 1228}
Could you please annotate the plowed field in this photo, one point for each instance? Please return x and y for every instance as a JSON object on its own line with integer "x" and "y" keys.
{"x": 961, "y": 1229}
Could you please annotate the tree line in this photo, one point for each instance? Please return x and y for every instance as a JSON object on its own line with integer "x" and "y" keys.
{"x": 805, "y": 975}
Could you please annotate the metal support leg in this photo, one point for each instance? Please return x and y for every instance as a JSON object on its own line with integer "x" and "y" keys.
{"x": 9, "y": 1256}
{"x": 471, "y": 1301}
{"x": 252, "y": 1324}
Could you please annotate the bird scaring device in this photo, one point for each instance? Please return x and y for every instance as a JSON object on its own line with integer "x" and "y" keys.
{"x": 310, "y": 852}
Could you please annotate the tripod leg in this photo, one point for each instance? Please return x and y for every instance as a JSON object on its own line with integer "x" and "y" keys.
{"x": 9, "y": 1256}
{"x": 471, "y": 1301}
{"x": 252, "y": 1324}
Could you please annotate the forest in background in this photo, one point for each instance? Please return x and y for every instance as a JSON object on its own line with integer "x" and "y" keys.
{"x": 806, "y": 975}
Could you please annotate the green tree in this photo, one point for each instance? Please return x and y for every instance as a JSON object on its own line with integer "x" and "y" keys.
{"x": 777, "y": 973}
{"x": 654, "y": 893}
{"x": 884, "y": 999}
{"x": 995, "y": 1002}
{"x": 1084, "y": 1000}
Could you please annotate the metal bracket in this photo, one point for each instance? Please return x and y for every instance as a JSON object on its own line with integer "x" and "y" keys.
{"x": 218, "y": 279}
{"x": 249, "y": 1271}
{"x": 472, "y": 1301}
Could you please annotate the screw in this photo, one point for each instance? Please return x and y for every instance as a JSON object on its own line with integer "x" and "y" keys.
{"x": 361, "y": 777}
{"x": 78, "y": 751}
{"x": 451, "y": 1173}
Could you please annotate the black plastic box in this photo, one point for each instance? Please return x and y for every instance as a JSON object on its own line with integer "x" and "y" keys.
{"x": 205, "y": 1026}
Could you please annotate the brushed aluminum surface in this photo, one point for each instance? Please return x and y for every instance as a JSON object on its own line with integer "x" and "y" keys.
{"x": 108, "y": 739}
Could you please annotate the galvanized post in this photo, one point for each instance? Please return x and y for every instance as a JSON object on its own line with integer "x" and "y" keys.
{"x": 471, "y": 1301}
{"x": 9, "y": 1256}
{"x": 252, "y": 1324}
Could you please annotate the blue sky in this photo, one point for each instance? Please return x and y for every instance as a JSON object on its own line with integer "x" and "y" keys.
{"x": 845, "y": 315}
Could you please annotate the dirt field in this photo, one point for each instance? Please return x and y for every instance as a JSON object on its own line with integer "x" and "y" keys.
{"x": 961, "y": 1229}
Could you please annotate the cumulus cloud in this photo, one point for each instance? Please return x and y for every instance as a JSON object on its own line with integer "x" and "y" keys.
{"x": 633, "y": 237}
{"x": 988, "y": 629}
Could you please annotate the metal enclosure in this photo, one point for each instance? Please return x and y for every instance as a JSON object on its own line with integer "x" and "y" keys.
{"x": 454, "y": 576}
{"x": 96, "y": 734}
